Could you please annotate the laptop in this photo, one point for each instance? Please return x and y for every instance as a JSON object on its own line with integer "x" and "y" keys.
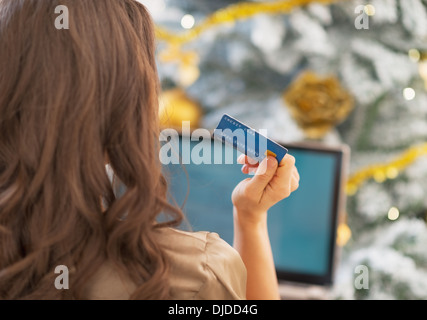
{"x": 302, "y": 228}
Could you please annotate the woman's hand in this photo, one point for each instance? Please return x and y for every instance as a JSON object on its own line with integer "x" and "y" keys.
{"x": 271, "y": 183}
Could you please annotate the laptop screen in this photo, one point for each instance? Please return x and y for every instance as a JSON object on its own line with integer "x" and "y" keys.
{"x": 302, "y": 228}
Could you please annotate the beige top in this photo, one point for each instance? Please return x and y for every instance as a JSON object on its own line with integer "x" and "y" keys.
{"x": 203, "y": 267}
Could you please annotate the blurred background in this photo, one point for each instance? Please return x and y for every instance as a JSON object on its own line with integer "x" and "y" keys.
{"x": 336, "y": 72}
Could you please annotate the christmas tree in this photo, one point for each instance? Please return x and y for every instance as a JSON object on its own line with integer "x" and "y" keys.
{"x": 348, "y": 72}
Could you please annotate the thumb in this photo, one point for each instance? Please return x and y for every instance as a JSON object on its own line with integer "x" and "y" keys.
{"x": 265, "y": 172}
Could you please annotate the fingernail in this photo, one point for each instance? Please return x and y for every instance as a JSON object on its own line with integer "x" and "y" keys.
{"x": 245, "y": 169}
{"x": 271, "y": 161}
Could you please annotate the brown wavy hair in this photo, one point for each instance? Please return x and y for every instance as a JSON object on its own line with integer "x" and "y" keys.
{"x": 69, "y": 100}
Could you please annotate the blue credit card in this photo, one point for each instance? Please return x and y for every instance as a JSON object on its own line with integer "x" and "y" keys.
{"x": 247, "y": 140}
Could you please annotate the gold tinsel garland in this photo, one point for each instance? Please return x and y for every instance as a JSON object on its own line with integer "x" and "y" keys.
{"x": 232, "y": 13}
{"x": 382, "y": 172}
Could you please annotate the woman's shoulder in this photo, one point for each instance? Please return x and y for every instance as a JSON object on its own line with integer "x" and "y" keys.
{"x": 203, "y": 266}
{"x": 176, "y": 239}
{"x": 173, "y": 234}
{"x": 203, "y": 246}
